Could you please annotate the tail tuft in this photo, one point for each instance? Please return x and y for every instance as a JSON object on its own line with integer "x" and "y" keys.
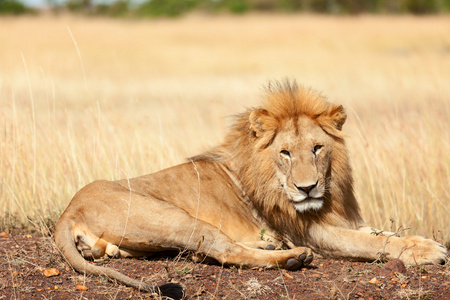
{"x": 171, "y": 290}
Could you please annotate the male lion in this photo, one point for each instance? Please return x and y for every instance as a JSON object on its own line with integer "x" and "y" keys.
{"x": 280, "y": 180}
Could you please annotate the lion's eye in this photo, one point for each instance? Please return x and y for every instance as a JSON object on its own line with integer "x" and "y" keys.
{"x": 317, "y": 148}
{"x": 285, "y": 153}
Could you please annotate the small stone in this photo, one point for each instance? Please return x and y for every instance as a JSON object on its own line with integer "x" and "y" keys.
{"x": 393, "y": 267}
{"x": 50, "y": 272}
{"x": 374, "y": 281}
{"x": 80, "y": 287}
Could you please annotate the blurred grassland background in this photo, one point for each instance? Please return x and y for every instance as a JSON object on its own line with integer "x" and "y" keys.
{"x": 174, "y": 8}
{"x": 89, "y": 98}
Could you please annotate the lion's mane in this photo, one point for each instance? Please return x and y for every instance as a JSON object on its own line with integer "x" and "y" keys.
{"x": 247, "y": 157}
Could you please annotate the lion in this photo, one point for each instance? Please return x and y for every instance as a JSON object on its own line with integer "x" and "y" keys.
{"x": 281, "y": 180}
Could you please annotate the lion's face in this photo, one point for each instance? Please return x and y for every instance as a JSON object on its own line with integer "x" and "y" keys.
{"x": 302, "y": 158}
{"x": 294, "y": 140}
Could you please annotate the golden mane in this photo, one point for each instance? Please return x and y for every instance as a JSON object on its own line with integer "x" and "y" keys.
{"x": 244, "y": 155}
{"x": 285, "y": 100}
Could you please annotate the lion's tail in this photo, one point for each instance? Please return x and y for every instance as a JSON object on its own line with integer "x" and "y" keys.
{"x": 65, "y": 243}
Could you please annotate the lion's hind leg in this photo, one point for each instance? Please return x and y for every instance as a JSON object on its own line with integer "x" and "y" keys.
{"x": 93, "y": 247}
{"x": 103, "y": 250}
{"x": 173, "y": 228}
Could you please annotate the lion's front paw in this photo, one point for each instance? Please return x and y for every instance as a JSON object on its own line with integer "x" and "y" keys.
{"x": 417, "y": 250}
{"x": 302, "y": 260}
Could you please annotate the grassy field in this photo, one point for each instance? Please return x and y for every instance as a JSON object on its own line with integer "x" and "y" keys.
{"x": 83, "y": 99}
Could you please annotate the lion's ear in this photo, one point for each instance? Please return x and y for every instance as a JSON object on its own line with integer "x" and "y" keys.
{"x": 338, "y": 116}
{"x": 263, "y": 125}
{"x": 260, "y": 121}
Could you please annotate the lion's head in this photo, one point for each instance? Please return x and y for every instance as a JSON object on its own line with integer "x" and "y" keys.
{"x": 295, "y": 130}
{"x": 291, "y": 158}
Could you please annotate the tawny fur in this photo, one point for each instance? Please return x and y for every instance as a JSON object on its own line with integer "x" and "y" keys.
{"x": 286, "y": 101}
{"x": 281, "y": 178}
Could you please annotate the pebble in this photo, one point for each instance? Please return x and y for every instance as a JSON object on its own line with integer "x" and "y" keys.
{"x": 80, "y": 287}
{"x": 374, "y": 281}
{"x": 392, "y": 267}
{"x": 50, "y": 272}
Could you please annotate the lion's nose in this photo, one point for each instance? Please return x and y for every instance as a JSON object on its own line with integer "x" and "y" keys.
{"x": 307, "y": 188}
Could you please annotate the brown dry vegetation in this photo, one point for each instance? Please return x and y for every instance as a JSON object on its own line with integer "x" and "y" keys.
{"x": 84, "y": 98}
{"x": 98, "y": 98}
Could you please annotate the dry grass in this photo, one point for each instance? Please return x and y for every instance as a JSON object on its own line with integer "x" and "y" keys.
{"x": 93, "y": 98}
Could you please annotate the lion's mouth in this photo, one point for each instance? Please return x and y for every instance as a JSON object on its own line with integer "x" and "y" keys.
{"x": 296, "y": 201}
{"x": 313, "y": 200}
{"x": 301, "y": 197}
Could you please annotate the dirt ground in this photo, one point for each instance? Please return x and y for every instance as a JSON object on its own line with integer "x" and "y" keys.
{"x": 27, "y": 259}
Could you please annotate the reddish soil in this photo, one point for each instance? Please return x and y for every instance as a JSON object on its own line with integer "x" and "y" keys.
{"x": 25, "y": 259}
